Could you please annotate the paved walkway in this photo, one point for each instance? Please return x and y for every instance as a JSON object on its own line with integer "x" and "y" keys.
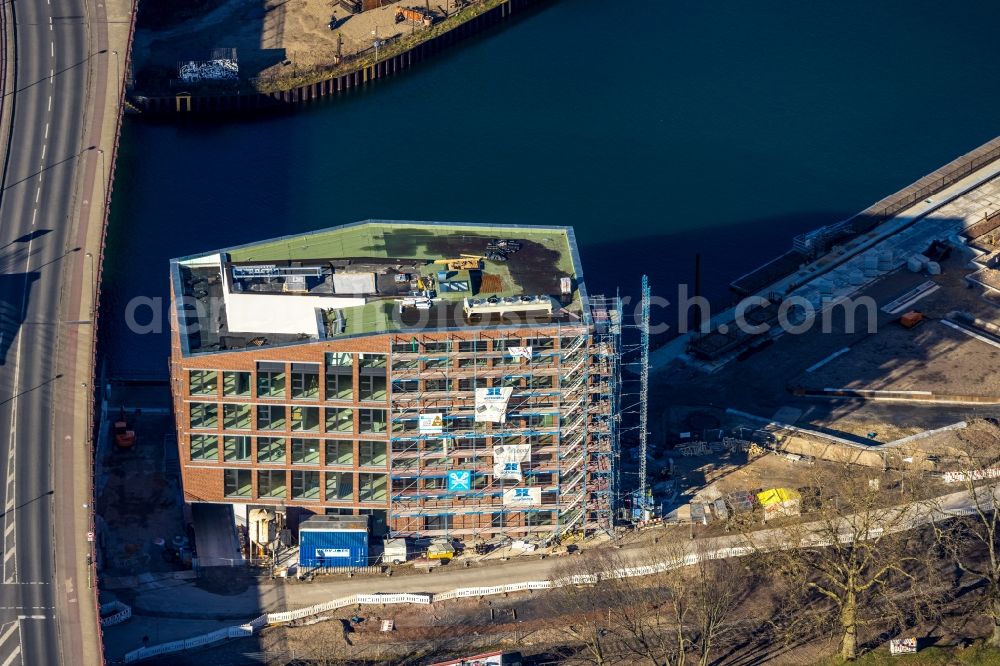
{"x": 217, "y": 611}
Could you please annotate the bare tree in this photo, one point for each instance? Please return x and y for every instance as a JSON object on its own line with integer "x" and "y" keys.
{"x": 973, "y": 543}
{"x": 850, "y": 550}
{"x": 665, "y": 604}
{"x": 583, "y": 611}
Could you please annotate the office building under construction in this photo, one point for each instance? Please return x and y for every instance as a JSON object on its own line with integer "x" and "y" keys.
{"x": 443, "y": 379}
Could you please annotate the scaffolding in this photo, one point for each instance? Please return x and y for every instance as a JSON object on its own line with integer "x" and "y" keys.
{"x": 564, "y": 404}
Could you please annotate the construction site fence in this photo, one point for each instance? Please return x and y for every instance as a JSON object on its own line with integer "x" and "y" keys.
{"x": 269, "y": 619}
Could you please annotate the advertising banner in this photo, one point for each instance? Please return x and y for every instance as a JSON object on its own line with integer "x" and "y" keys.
{"x": 491, "y": 403}
{"x": 459, "y": 480}
{"x": 520, "y": 352}
{"x": 507, "y": 461}
{"x": 431, "y": 424}
{"x": 516, "y": 497}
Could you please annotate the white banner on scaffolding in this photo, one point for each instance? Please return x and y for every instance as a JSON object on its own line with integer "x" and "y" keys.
{"x": 520, "y": 352}
{"x": 431, "y": 424}
{"x": 507, "y": 461}
{"x": 491, "y": 403}
{"x": 522, "y": 497}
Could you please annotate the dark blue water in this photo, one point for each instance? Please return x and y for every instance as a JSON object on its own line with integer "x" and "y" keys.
{"x": 658, "y": 130}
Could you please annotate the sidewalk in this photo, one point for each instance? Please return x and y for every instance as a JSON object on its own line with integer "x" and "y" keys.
{"x": 109, "y": 26}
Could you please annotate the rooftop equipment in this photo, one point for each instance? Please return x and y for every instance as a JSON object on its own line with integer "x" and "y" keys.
{"x": 507, "y": 305}
{"x": 466, "y": 262}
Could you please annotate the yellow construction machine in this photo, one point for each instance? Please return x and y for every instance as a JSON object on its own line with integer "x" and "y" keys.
{"x": 467, "y": 262}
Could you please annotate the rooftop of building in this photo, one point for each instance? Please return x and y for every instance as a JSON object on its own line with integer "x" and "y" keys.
{"x": 377, "y": 277}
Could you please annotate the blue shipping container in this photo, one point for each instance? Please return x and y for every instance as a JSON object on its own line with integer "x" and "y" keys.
{"x": 333, "y": 548}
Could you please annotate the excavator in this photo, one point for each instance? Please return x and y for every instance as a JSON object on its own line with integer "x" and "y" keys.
{"x": 467, "y": 262}
{"x": 124, "y": 437}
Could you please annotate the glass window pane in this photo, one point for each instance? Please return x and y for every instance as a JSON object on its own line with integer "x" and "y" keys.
{"x": 305, "y": 451}
{"x": 339, "y": 387}
{"x": 339, "y": 420}
{"x": 372, "y": 453}
{"x": 236, "y": 383}
{"x": 305, "y": 418}
{"x": 339, "y": 486}
{"x": 340, "y": 452}
{"x": 236, "y": 447}
{"x": 271, "y": 483}
{"x": 203, "y": 382}
{"x": 204, "y": 415}
{"x": 204, "y": 447}
{"x": 305, "y": 484}
{"x": 236, "y": 417}
{"x": 237, "y": 482}
{"x": 270, "y": 417}
{"x": 270, "y": 450}
{"x": 371, "y": 487}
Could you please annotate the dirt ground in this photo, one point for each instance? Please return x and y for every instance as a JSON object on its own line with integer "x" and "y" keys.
{"x": 270, "y": 36}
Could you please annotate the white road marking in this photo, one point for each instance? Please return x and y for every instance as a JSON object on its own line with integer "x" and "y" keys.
{"x": 38, "y": 193}
{"x": 52, "y": 48}
{"x": 44, "y": 148}
{"x": 34, "y": 216}
{"x": 46, "y": 124}
{"x": 32, "y": 617}
{"x": 52, "y": 74}
{"x": 50, "y": 102}
{"x": 14, "y": 654}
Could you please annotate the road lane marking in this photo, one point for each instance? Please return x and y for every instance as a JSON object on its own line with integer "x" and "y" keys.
{"x": 38, "y": 193}
{"x": 50, "y": 102}
{"x": 52, "y": 48}
{"x": 52, "y": 74}
{"x": 46, "y": 124}
{"x": 15, "y": 653}
{"x": 34, "y": 216}
{"x": 44, "y": 148}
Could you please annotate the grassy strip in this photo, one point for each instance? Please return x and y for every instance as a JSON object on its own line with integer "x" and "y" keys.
{"x": 283, "y": 82}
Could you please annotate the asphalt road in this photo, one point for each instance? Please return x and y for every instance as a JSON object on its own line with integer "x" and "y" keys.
{"x": 36, "y": 207}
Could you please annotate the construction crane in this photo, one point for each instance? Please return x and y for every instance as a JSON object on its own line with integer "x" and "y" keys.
{"x": 467, "y": 262}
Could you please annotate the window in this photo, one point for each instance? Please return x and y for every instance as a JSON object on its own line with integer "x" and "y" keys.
{"x": 437, "y": 363}
{"x": 339, "y": 387}
{"x": 434, "y": 483}
{"x": 407, "y": 347}
{"x": 472, "y": 346}
{"x": 496, "y": 520}
{"x": 470, "y": 384}
{"x": 270, "y": 379}
{"x": 236, "y": 417}
{"x": 459, "y": 423}
{"x": 339, "y": 486}
{"x": 540, "y": 343}
{"x": 371, "y": 420}
{"x": 371, "y": 360}
{"x": 405, "y": 385}
{"x": 371, "y": 487}
{"x": 237, "y": 482}
{"x": 405, "y": 364}
{"x": 441, "y": 522}
{"x": 538, "y": 518}
{"x": 271, "y": 483}
{"x": 372, "y": 388}
{"x": 539, "y": 381}
{"x": 305, "y": 381}
{"x": 371, "y": 454}
{"x": 440, "y": 346}
{"x": 236, "y": 447}
{"x": 204, "y": 415}
{"x": 339, "y": 420}
{"x": 305, "y": 484}
{"x": 270, "y": 449}
{"x": 478, "y": 362}
{"x": 203, "y": 382}
{"x": 339, "y": 359}
{"x": 270, "y": 417}
{"x": 438, "y": 385}
{"x": 236, "y": 383}
{"x": 305, "y": 452}
{"x": 502, "y": 345}
{"x": 339, "y": 452}
{"x": 305, "y": 418}
{"x": 204, "y": 447}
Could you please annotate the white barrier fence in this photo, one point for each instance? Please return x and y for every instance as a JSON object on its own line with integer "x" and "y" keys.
{"x": 119, "y": 612}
